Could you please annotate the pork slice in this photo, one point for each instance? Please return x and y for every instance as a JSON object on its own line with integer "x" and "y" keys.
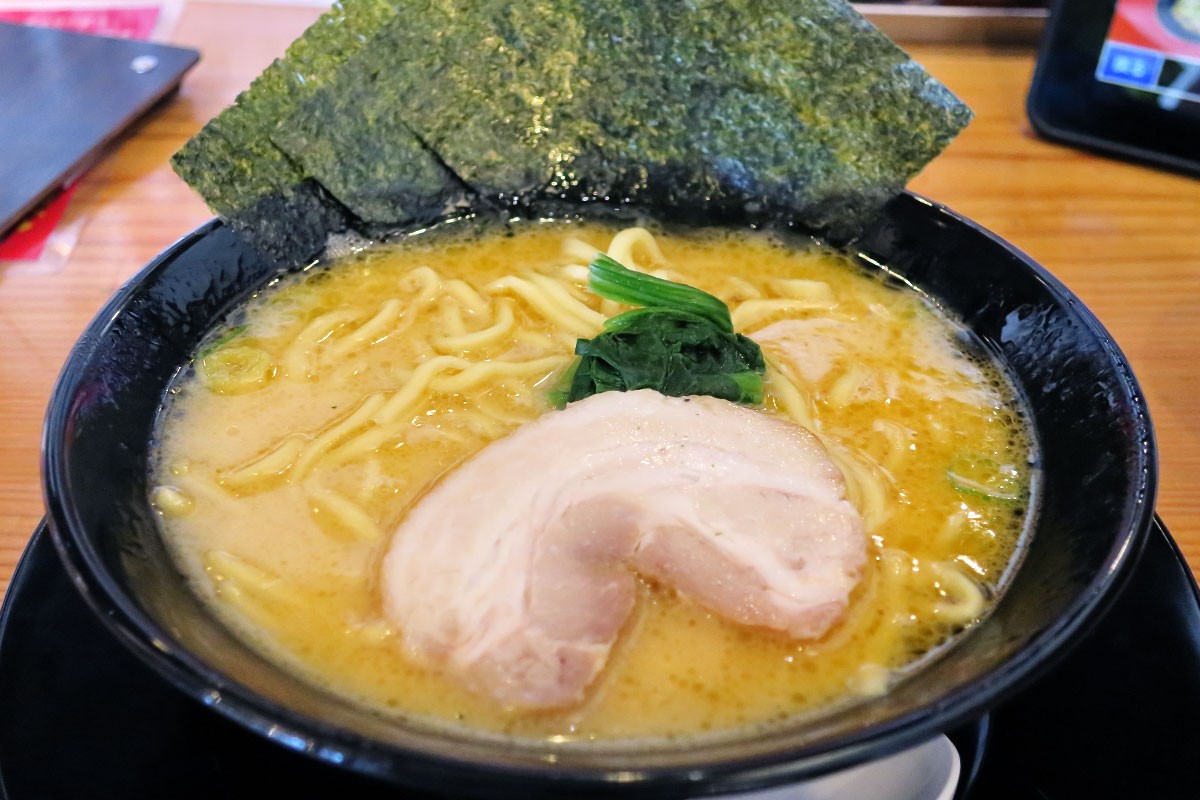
{"x": 516, "y": 572}
{"x": 813, "y": 346}
{"x": 934, "y": 368}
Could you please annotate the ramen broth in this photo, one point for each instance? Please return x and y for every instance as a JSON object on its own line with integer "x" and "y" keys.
{"x": 335, "y": 398}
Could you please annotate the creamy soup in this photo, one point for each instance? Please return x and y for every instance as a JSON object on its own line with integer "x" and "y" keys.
{"x": 334, "y": 399}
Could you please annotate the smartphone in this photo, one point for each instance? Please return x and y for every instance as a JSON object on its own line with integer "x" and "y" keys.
{"x": 1122, "y": 77}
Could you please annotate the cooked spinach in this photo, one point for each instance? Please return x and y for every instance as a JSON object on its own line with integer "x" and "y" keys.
{"x": 613, "y": 281}
{"x": 681, "y": 342}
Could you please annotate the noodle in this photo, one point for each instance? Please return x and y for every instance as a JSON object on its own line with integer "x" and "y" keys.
{"x": 847, "y": 385}
{"x": 581, "y": 251}
{"x": 551, "y": 308}
{"x": 624, "y": 243}
{"x": 493, "y": 371}
{"x": 369, "y": 332}
{"x": 171, "y": 501}
{"x": 364, "y": 414}
{"x": 272, "y": 465}
{"x": 416, "y": 386}
{"x": 963, "y": 600}
{"x": 865, "y": 486}
{"x": 742, "y": 290}
{"x": 815, "y": 294}
{"x": 754, "y": 313}
{"x": 427, "y": 283}
{"x": 490, "y": 335}
{"x": 298, "y": 359}
{"x": 452, "y": 318}
{"x": 346, "y": 513}
{"x": 555, "y": 290}
{"x": 226, "y": 567}
{"x": 900, "y": 440}
{"x": 464, "y": 293}
{"x": 397, "y": 364}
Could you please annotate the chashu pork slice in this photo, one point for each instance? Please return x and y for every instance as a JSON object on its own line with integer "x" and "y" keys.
{"x": 517, "y": 571}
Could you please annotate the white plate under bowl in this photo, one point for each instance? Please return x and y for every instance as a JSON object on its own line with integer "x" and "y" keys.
{"x": 928, "y": 771}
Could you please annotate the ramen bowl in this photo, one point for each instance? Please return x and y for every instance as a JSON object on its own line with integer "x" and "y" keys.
{"x": 1095, "y": 506}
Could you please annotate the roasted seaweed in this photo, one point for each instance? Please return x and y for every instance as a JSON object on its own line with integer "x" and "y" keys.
{"x": 679, "y": 340}
{"x": 233, "y": 164}
{"x": 802, "y": 108}
{"x": 438, "y": 108}
{"x": 737, "y": 107}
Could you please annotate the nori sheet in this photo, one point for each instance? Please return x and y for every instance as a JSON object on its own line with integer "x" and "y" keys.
{"x": 803, "y": 108}
{"x": 477, "y": 88}
{"x": 243, "y": 176}
{"x": 734, "y": 106}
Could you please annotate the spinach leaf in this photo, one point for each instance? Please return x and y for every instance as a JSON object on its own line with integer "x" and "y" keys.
{"x": 608, "y": 278}
{"x": 680, "y": 344}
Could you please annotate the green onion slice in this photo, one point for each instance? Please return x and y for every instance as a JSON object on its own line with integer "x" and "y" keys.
{"x": 984, "y": 477}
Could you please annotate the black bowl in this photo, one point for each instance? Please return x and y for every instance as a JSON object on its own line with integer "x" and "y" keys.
{"x": 1096, "y": 505}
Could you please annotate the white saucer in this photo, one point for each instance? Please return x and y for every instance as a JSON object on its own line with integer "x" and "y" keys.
{"x": 928, "y": 771}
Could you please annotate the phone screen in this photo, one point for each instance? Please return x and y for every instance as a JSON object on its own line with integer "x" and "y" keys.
{"x": 1153, "y": 46}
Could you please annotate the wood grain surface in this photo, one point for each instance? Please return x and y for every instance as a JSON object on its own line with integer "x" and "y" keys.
{"x": 1125, "y": 238}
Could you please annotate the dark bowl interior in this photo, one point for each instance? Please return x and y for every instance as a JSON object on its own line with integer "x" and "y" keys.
{"x": 1097, "y": 493}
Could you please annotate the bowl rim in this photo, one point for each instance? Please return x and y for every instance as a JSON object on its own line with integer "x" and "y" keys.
{"x": 513, "y": 768}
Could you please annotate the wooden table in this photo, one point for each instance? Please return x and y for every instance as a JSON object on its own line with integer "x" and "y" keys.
{"x": 1125, "y": 238}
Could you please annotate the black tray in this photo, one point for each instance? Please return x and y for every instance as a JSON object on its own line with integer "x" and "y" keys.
{"x": 80, "y": 717}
